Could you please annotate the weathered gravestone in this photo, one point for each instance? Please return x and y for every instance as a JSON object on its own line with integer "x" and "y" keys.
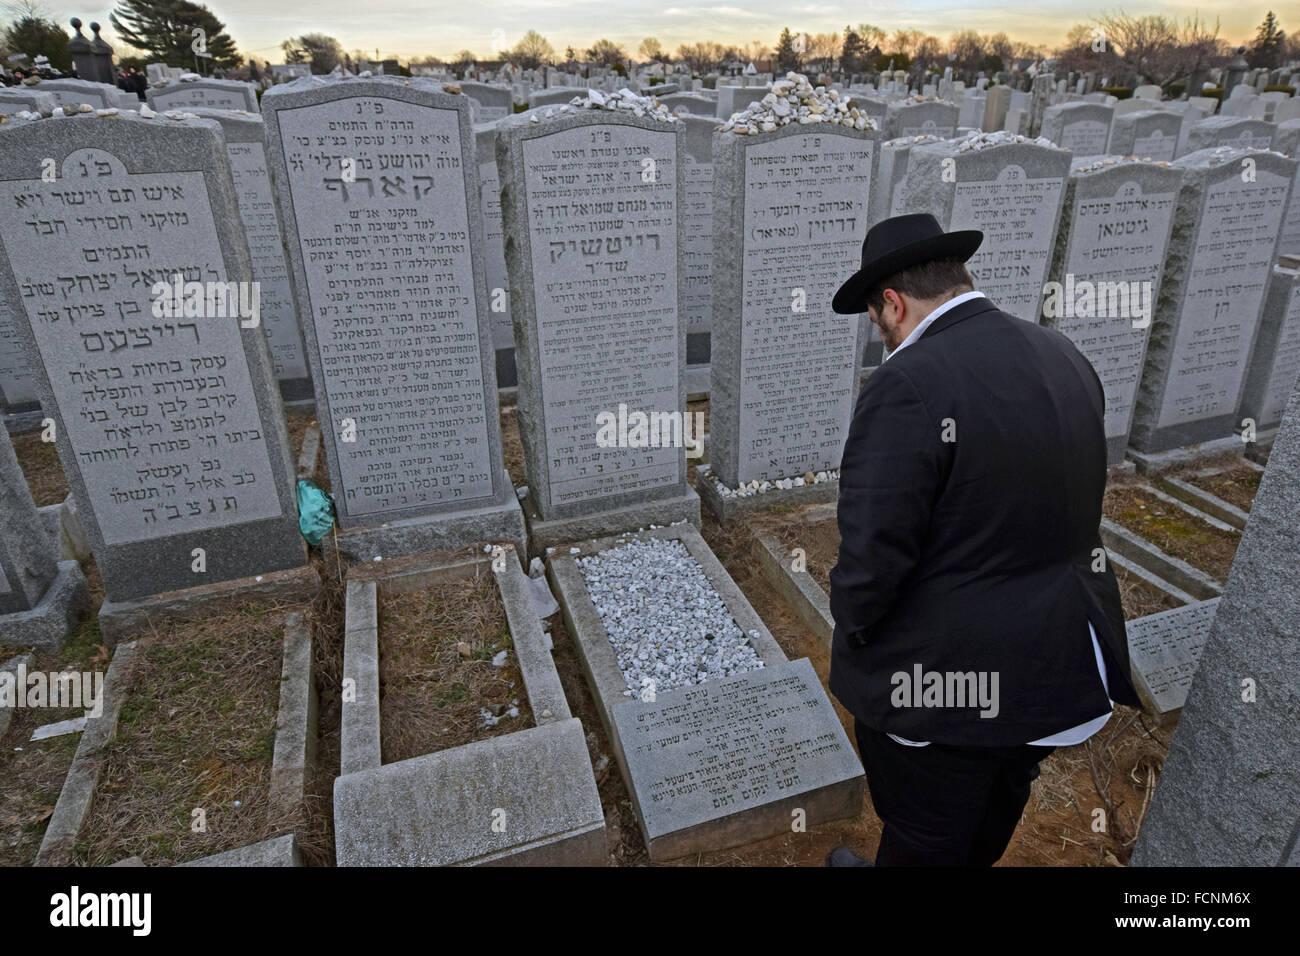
{"x": 697, "y": 248}
{"x": 1082, "y": 128}
{"x": 1105, "y": 274}
{"x": 791, "y": 208}
{"x": 206, "y": 92}
{"x": 691, "y": 103}
{"x": 592, "y": 200}
{"x": 71, "y": 93}
{"x": 1216, "y": 274}
{"x": 1237, "y": 132}
{"x": 168, "y": 420}
{"x": 40, "y": 596}
{"x": 1230, "y": 784}
{"x": 555, "y": 96}
{"x": 494, "y": 102}
{"x": 17, "y": 99}
{"x": 887, "y": 196}
{"x": 19, "y": 404}
{"x": 1149, "y": 134}
{"x": 245, "y": 136}
{"x": 1164, "y": 650}
{"x": 733, "y": 99}
{"x": 1287, "y": 141}
{"x": 920, "y": 117}
{"x": 377, "y": 180}
{"x": 1012, "y": 192}
{"x": 1275, "y": 359}
{"x": 494, "y": 255}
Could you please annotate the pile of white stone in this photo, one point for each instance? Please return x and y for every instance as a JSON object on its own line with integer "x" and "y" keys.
{"x": 979, "y": 141}
{"x": 666, "y": 623}
{"x": 917, "y": 140}
{"x": 757, "y": 487}
{"x": 795, "y": 100}
{"x": 623, "y": 101}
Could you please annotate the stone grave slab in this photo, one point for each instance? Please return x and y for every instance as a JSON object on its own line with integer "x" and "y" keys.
{"x": 691, "y": 103}
{"x": 1115, "y": 225}
{"x": 1082, "y": 128}
{"x": 720, "y": 763}
{"x": 384, "y": 243}
{"x": 1234, "y": 131}
{"x": 1275, "y": 358}
{"x": 916, "y": 117}
{"x": 72, "y": 93}
{"x": 16, "y": 99}
{"x": 41, "y": 597}
{"x": 1012, "y": 192}
{"x": 791, "y": 208}
{"x": 169, "y": 428}
{"x": 1230, "y": 784}
{"x": 887, "y": 198}
{"x": 591, "y": 204}
{"x": 207, "y": 92}
{"x": 1148, "y": 134}
{"x": 1212, "y": 293}
{"x": 1164, "y": 650}
{"x": 494, "y": 102}
{"x": 245, "y": 138}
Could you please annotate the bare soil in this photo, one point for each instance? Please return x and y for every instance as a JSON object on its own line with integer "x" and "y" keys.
{"x": 435, "y": 669}
{"x": 1172, "y": 529}
{"x": 41, "y": 466}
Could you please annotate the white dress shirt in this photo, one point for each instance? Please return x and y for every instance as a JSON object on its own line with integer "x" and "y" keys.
{"x": 1066, "y": 738}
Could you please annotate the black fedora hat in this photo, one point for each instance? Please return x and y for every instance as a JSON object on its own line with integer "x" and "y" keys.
{"x": 897, "y": 244}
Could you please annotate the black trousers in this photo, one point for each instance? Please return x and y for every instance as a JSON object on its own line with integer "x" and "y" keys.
{"x": 942, "y": 805}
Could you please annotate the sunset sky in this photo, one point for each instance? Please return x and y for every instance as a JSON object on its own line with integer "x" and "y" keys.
{"x": 407, "y": 28}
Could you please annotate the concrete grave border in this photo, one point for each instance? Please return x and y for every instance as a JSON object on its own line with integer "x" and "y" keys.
{"x": 571, "y": 834}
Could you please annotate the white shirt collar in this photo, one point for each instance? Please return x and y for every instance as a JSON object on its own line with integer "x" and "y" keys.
{"x": 929, "y": 320}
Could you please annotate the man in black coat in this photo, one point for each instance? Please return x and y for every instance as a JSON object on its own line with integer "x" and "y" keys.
{"x": 977, "y": 620}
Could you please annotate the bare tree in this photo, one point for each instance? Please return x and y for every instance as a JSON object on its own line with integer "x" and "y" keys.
{"x": 532, "y": 50}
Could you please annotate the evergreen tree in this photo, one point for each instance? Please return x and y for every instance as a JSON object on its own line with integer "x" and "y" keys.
{"x": 1270, "y": 41}
{"x": 787, "y": 57}
{"x": 165, "y": 30}
{"x": 852, "y": 52}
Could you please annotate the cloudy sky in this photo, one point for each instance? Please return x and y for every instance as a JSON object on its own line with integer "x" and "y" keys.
{"x": 409, "y": 28}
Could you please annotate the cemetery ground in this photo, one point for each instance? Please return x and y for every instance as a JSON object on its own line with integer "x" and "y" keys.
{"x": 196, "y": 727}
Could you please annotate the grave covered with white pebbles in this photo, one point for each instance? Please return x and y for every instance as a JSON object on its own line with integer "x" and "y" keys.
{"x": 664, "y": 619}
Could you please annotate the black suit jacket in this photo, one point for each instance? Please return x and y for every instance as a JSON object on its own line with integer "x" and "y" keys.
{"x": 970, "y": 504}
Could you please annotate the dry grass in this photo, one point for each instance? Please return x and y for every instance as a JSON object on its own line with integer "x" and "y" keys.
{"x": 41, "y": 467}
{"x": 1237, "y": 486}
{"x": 435, "y": 668}
{"x": 512, "y": 448}
{"x": 1139, "y": 598}
{"x": 1172, "y": 529}
{"x": 196, "y": 732}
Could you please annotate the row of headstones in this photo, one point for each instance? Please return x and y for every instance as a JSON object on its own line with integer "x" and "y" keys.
{"x": 169, "y": 426}
{"x": 379, "y": 187}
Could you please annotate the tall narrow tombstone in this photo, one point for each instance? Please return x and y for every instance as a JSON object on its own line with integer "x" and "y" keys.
{"x": 1275, "y": 359}
{"x": 1216, "y": 274}
{"x": 1237, "y": 132}
{"x": 214, "y": 94}
{"x": 40, "y": 596}
{"x": 1012, "y": 192}
{"x": 245, "y": 137}
{"x": 1229, "y": 788}
{"x": 1106, "y": 271}
{"x": 1149, "y": 134}
{"x": 592, "y": 200}
{"x": 494, "y": 255}
{"x": 168, "y": 423}
{"x": 791, "y": 208}
{"x": 1286, "y": 140}
{"x": 920, "y": 117}
{"x": 997, "y": 100}
{"x": 697, "y": 248}
{"x": 377, "y": 180}
{"x": 1082, "y": 128}
{"x": 494, "y": 102}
